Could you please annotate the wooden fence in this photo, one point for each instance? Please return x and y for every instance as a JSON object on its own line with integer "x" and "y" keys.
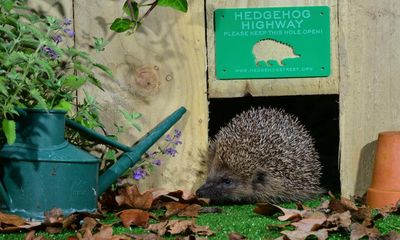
{"x": 164, "y": 66}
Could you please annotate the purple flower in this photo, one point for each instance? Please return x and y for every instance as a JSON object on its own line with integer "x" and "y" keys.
{"x": 177, "y": 133}
{"x": 67, "y": 22}
{"x": 50, "y": 52}
{"x": 70, "y": 32}
{"x": 171, "y": 151}
{"x": 177, "y": 142}
{"x": 156, "y": 162}
{"x": 151, "y": 154}
{"x": 139, "y": 173}
{"x": 168, "y": 138}
{"x": 57, "y": 39}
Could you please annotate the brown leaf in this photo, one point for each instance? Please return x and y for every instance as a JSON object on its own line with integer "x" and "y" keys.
{"x": 340, "y": 220}
{"x": 236, "y": 236}
{"x": 179, "y": 227}
{"x": 201, "y": 230}
{"x": 88, "y": 224}
{"x": 159, "y": 228}
{"x": 131, "y": 196}
{"x": 162, "y": 196}
{"x": 321, "y": 234}
{"x": 135, "y": 217}
{"x": 55, "y": 215}
{"x": 182, "y": 209}
{"x": 53, "y": 230}
{"x": 311, "y": 223}
{"x": 269, "y": 209}
{"x": 12, "y": 220}
{"x": 363, "y": 215}
{"x": 342, "y": 205}
{"x": 358, "y": 231}
{"x": 105, "y": 233}
{"x": 144, "y": 236}
{"x": 392, "y": 235}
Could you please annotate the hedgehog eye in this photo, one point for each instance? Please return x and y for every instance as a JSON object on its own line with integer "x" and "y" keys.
{"x": 227, "y": 181}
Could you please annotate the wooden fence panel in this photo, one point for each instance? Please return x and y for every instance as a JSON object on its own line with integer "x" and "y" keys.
{"x": 158, "y": 69}
{"x": 369, "y": 84}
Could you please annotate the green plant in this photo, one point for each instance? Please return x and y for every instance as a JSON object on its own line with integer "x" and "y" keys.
{"x": 36, "y": 69}
{"x": 132, "y": 13}
{"x": 39, "y": 69}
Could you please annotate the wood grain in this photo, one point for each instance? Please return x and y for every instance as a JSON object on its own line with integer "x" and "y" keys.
{"x": 369, "y": 85}
{"x": 158, "y": 69}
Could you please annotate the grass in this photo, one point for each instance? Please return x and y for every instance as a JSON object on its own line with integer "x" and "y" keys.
{"x": 234, "y": 218}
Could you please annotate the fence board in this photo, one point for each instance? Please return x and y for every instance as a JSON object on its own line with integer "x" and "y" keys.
{"x": 369, "y": 84}
{"x": 158, "y": 69}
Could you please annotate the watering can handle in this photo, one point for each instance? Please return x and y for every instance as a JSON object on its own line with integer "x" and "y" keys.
{"x": 101, "y": 138}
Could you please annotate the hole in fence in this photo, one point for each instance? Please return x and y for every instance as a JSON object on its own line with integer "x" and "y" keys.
{"x": 318, "y": 113}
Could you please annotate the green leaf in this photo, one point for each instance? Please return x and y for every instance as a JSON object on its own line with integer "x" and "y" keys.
{"x": 104, "y": 69}
{"x": 110, "y": 155}
{"x": 9, "y": 130}
{"x": 41, "y": 102}
{"x": 180, "y": 5}
{"x": 131, "y": 119}
{"x": 7, "y": 4}
{"x": 73, "y": 82}
{"x": 3, "y": 87}
{"x": 63, "y": 105}
{"x": 127, "y": 9}
{"x": 100, "y": 44}
{"x": 95, "y": 82}
{"x": 122, "y": 25}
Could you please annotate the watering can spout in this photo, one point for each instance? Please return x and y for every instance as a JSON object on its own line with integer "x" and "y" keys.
{"x": 131, "y": 157}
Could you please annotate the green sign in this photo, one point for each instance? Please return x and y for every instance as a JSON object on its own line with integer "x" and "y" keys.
{"x": 272, "y": 42}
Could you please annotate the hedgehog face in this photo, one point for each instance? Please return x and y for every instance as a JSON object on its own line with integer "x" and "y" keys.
{"x": 226, "y": 187}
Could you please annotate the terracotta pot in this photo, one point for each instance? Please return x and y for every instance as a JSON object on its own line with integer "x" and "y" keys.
{"x": 385, "y": 187}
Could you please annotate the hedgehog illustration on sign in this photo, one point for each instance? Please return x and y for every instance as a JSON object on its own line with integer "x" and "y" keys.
{"x": 266, "y": 50}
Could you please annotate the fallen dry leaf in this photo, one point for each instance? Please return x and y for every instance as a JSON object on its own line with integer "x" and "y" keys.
{"x": 182, "y": 209}
{"x": 236, "y": 236}
{"x": 144, "y": 236}
{"x": 340, "y": 220}
{"x": 311, "y": 223}
{"x": 179, "y": 227}
{"x": 55, "y": 215}
{"x": 358, "y": 231}
{"x": 392, "y": 235}
{"x": 131, "y": 197}
{"x": 267, "y": 209}
{"x": 10, "y": 219}
{"x": 321, "y": 234}
{"x": 88, "y": 224}
{"x": 162, "y": 196}
{"x": 135, "y": 217}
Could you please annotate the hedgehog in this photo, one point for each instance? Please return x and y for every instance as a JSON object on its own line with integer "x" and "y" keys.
{"x": 262, "y": 155}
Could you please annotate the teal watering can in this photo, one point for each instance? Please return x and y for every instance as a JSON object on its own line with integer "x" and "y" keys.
{"x": 42, "y": 170}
